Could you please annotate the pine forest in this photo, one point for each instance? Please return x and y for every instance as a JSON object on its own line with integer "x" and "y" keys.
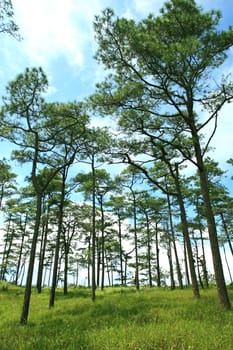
{"x": 121, "y": 189}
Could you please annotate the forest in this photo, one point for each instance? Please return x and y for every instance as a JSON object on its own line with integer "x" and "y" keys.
{"x": 138, "y": 202}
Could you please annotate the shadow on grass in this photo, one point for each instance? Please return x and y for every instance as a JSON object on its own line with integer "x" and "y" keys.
{"x": 74, "y": 292}
{"x": 107, "y": 311}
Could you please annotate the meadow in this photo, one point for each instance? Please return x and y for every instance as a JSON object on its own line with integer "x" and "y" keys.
{"x": 119, "y": 319}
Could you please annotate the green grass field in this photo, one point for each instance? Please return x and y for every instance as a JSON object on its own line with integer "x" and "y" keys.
{"x": 120, "y": 319}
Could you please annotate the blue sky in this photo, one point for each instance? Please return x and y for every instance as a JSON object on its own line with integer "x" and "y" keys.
{"x": 58, "y": 36}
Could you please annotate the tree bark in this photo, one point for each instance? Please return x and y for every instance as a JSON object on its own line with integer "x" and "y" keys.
{"x": 186, "y": 235}
{"x": 173, "y": 239}
{"x": 135, "y": 242}
{"x": 121, "y": 253}
{"x": 213, "y": 236}
{"x": 28, "y": 287}
{"x": 93, "y": 278}
{"x": 58, "y": 239}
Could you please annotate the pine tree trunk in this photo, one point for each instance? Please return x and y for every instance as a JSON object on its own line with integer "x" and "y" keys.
{"x": 135, "y": 243}
{"x": 228, "y": 267}
{"x": 66, "y": 256}
{"x": 42, "y": 254}
{"x": 93, "y": 278}
{"x": 184, "y": 224}
{"x": 186, "y": 264}
{"x": 157, "y": 256}
{"x": 169, "y": 255}
{"x": 20, "y": 252}
{"x": 102, "y": 244}
{"x": 28, "y": 287}
{"x": 226, "y": 232}
{"x": 58, "y": 238}
{"x": 121, "y": 253}
{"x": 149, "y": 248}
{"x": 7, "y": 248}
{"x": 173, "y": 239}
{"x": 216, "y": 257}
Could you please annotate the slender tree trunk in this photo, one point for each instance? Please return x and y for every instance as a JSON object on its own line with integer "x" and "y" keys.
{"x": 203, "y": 260}
{"x": 198, "y": 262}
{"x": 50, "y": 267}
{"x": 186, "y": 236}
{"x": 102, "y": 243}
{"x": 169, "y": 254}
{"x": 135, "y": 242}
{"x": 226, "y": 232}
{"x": 28, "y": 287}
{"x": 7, "y": 247}
{"x": 20, "y": 251}
{"x": 41, "y": 257}
{"x": 173, "y": 238}
{"x": 228, "y": 267}
{"x": 108, "y": 272}
{"x": 157, "y": 256}
{"x": 22, "y": 272}
{"x": 98, "y": 260}
{"x": 186, "y": 264}
{"x": 216, "y": 257}
{"x": 41, "y": 262}
{"x": 125, "y": 273}
{"x": 149, "y": 248}
{"x": 59, "y": 270}
{"x": 121, "y": 252}
{"x": 89, "y": 263}
{"x": 58, "y": 239}
{"x": 68, "y": 235}
{"x": 66, "y": 259}
{"x": 93, "y": 278}
{"x": 42, "y": 251}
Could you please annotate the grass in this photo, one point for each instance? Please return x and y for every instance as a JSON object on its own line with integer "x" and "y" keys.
{"x": 120, "y": 319}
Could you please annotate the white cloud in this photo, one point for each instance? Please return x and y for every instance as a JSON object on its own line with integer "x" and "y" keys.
{"x": 56, "y": 27}
{"x": 223, "y": 141}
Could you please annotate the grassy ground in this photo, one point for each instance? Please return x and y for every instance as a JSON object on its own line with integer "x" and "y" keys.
{"x": 120, "y": 319}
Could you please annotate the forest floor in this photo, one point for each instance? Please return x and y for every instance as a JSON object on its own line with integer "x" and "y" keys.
{"x": 119, "y": 319}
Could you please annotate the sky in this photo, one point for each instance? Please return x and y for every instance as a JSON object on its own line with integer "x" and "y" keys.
{"x": 58, "y": 36}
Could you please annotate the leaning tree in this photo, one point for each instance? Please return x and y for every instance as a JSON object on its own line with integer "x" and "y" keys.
{"x": 163, "y": 72}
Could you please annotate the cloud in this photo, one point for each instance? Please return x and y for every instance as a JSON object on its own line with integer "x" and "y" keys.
{"x": 56, "y": 27}
{"x": 223, "y": 141}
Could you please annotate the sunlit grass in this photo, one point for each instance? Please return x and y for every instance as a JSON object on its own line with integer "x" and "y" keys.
{"x": 120, "y": 319}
